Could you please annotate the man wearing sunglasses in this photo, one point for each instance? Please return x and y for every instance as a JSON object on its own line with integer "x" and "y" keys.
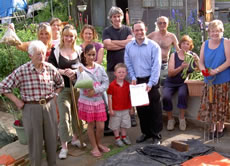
{"x": 165, "y": 40}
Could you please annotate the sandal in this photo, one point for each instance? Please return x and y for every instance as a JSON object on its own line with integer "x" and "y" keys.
{"x": 103, "y": 149}
{"x": 95, "y": 153}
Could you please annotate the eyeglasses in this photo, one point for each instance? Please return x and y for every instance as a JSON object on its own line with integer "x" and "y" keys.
{"x": 160, "y": 23}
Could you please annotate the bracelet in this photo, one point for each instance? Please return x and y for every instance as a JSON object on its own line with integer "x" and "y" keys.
{"x": 56, "y": 94}
{"x": 217, "y": 70}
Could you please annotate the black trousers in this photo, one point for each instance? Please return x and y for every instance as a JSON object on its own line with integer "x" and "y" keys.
{"x": 150, "y": 116}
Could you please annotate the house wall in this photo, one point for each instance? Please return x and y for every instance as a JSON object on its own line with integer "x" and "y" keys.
{"x": 99, "y": 11}
{"x": 150, "y": 14}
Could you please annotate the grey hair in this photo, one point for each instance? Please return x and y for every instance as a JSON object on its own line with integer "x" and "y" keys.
{"x": 115, "y": 10}
{"x": 36, "y": 45}
{"x": 166, "y": 19}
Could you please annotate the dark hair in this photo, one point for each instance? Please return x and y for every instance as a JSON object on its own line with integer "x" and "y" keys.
{"x": 85, "y": 51}
{"x": 138, "y": 22}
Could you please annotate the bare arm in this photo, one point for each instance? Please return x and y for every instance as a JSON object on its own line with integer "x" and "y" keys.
{"x": 19, "y": 103}
{"x": 175, "y": 42}
{"x": 172, "y": 71}
{"x": 110, "y": 105}
{"x": 100, "y": 56}
{"x": 201, "y": 61}
{"x": 23, "y": 46}
{"x": 58, "y": 90}
{"x": 150, "y": 36}
{"x": 116, "y": 44}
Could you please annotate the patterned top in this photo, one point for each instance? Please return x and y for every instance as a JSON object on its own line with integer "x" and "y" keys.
{"x": 33, "y": 85}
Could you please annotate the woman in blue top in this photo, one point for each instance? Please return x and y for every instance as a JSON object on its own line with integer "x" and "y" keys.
{"x": 215, "y": 56}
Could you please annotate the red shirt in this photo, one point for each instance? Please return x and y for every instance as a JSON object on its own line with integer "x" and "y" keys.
{"x": 33, "y": 85}
{"x": 120, "y": 95}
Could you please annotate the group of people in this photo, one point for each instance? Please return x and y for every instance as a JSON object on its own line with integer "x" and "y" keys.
{"x": 132, "y": 58}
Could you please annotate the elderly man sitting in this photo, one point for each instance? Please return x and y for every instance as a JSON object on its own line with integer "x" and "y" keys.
{"x": 39, "y": 82}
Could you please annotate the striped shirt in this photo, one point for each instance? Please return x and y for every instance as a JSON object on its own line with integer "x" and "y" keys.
{"x": 34, "y": 85}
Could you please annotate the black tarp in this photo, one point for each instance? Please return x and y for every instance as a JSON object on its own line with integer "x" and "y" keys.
{"x": 157, "y": 155}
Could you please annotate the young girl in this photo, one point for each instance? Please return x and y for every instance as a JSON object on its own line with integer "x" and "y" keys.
{"x": 91, "y": 106}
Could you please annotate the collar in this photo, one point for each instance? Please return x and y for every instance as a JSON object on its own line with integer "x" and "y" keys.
{"x": 32, "y": 67}
{"x": 145, "y": 42}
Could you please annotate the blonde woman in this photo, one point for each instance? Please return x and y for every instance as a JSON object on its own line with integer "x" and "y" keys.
{"x": 64, "y": 57}
{"x": 44, "y": 33}
{"x": 215, "y": 56}
{"x": 56, "y": 26}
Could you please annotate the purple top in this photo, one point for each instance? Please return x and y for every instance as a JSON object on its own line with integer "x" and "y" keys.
{"x": 97, "y": 46}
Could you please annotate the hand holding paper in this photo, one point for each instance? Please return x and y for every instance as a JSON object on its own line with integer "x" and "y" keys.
{"x": 139, "y": 95}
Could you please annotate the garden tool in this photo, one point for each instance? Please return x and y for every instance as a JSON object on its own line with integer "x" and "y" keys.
{"x": 79, "y": 123}
{"x": 208, "y": 125}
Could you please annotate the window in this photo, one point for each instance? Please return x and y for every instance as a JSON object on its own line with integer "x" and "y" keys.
{"x": 148, "y": 3}
{"x": 162, "y": 3}
{"x": 177, "y": 3}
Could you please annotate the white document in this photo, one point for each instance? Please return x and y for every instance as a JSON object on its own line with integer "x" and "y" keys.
{"x": 139, "y": 95}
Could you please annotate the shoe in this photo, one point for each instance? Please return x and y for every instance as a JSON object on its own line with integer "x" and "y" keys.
{"x": 171, "y": 124}
{"x": 108, "y": 132}
{"x": 126, "y": 140}
{"x": 78, "y": 143}
{"x": 182, "y": 124}
{"x": 133, "y": 121}
{"x": 156, "y": 141}
{"x": 63, "y": 154}
{"x": 104, "y": 149}
{"x": 142, "y": 138}
{"x": 119, "y": 143}
{"x": 96, "y": 153}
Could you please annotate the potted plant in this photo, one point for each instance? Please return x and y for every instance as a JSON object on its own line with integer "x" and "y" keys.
{"x": 18, "y": 125}
{"x": 195, "y": 83}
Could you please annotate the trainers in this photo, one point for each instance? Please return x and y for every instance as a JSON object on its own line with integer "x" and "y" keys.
{"x": 126, "y": 140}
{"x": 171, "y": 124}
{"x": 119, "y": 143}
{"x": 63, "y": 154}
{"x": 156, "y": 141}
{"x": 78, "y": 143}
{"x": 182, "y": 124}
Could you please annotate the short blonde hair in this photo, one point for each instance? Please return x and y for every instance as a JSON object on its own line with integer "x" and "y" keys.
{"x": 188, "y": 39}
{"x": 216, "y": 24}
{"x": 66, "y": 30}
{"x": 120, "y": 65}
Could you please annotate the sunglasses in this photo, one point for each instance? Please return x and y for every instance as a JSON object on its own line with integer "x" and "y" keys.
{"x": 43, "y": 24}
{"x": 160, "y": 23}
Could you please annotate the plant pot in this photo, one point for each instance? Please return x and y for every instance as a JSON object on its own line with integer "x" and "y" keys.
{"x": 81, "y": 8}
{"x": 195, "y": 87}
{"x": 21, "y": 134}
